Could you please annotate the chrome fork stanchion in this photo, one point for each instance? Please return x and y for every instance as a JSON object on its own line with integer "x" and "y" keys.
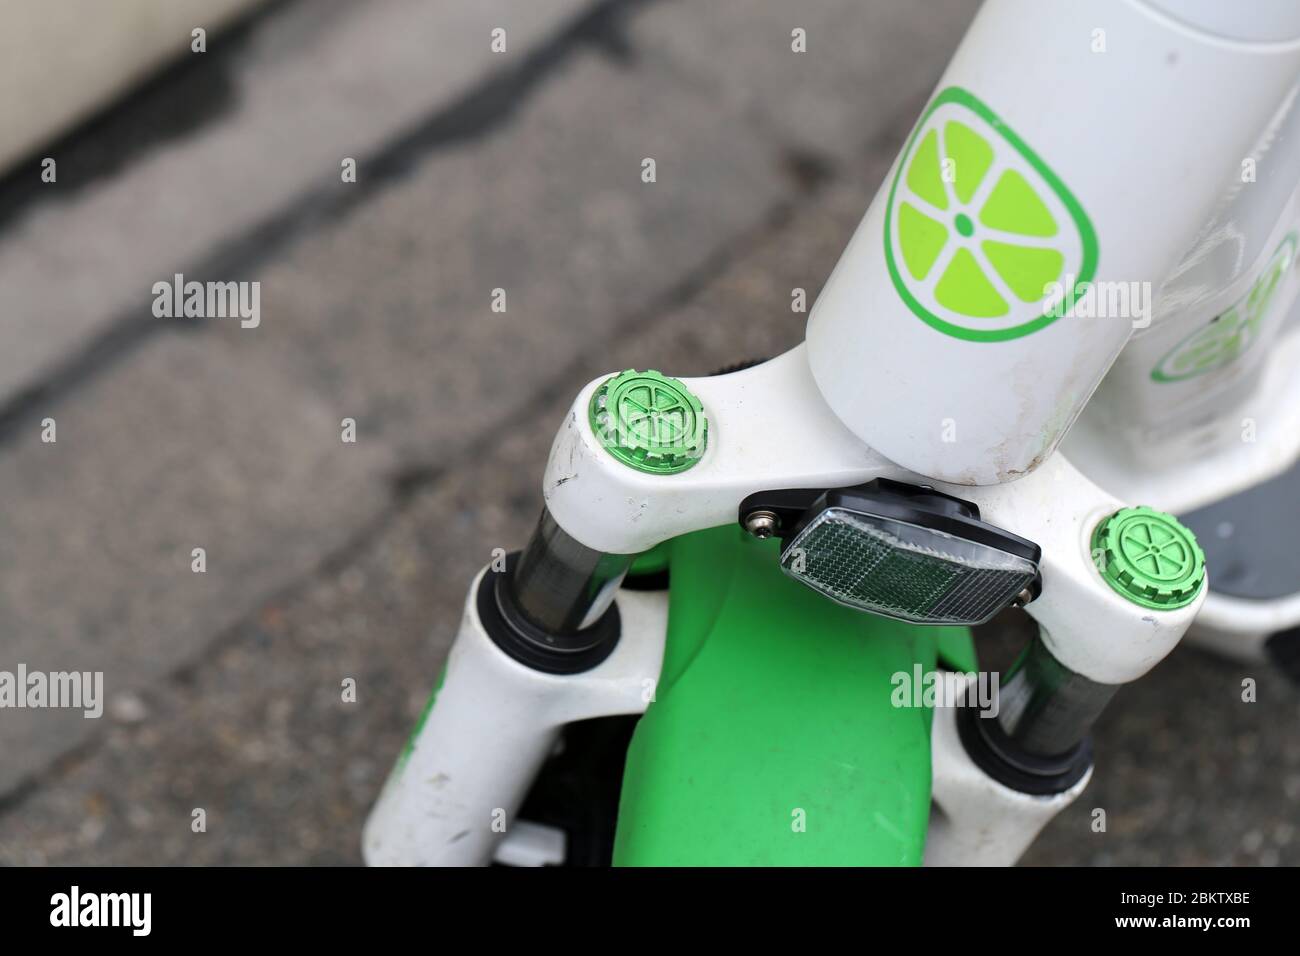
{"x": 560, "y": 585}
{"x": 1046, "y": 708}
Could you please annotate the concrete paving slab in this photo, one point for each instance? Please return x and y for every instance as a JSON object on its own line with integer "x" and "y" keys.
{"x": 313, "y": 84}
{"x": 863, "y": 61}
{"x": 187, "y": 446}
{"x": 390, "y": 311}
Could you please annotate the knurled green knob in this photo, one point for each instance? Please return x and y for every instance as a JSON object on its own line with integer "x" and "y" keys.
{"x": 1149, "y": 557}
{"x": 649, "y": 422}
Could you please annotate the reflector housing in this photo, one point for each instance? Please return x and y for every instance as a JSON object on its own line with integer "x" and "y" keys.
{"x": 902, "y": 551}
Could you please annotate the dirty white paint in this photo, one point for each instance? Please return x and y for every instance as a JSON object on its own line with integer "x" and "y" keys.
{"x": 1147, "y": 170}
{"x": 977, "y": 821}
{"x": 769, "y": 428}
{"x": 493, "y": 725}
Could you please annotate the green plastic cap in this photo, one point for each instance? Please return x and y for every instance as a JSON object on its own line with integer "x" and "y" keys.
{"x": 1149, "y": 557}
{"x": 649, "y": 422}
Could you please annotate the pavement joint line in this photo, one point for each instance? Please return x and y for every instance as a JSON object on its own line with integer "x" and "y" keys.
{"x": 18, "y": 794}
{"x": 479, "y": 112}
{"x": 800, "y": 159}
{"x": 416, "y": 476}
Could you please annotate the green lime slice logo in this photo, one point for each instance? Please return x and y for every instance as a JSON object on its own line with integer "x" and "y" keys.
{"x": 978, "y": 228}
{"x": 1229, "y": 335}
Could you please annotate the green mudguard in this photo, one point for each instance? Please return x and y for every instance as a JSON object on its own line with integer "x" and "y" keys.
{"x": 773, "y": 738}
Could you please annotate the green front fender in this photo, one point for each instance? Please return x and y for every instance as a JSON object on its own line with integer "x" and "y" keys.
{"x": 774, "y": 738}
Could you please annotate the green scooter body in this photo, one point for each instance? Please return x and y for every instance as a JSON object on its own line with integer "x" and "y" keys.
{"x": 774, "y": 738}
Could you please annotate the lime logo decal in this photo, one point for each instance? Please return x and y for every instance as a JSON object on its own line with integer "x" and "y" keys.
{"x": 1229, "y": 335}
{"x": 649, "y": 422}
{"x": 1149, "y": 557}
{"x": 978, "y": 227}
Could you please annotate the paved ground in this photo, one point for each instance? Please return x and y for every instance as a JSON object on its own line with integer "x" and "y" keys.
{"x": 328, "y": 561}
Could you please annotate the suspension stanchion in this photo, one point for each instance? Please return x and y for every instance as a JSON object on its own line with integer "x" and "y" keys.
{"x": 560, "y": 585}
{"x": 1038, "y": 742}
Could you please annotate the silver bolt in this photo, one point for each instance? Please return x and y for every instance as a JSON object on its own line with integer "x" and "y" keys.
{"x": 761, "y": 524}
{"x": 1023, "y": 598}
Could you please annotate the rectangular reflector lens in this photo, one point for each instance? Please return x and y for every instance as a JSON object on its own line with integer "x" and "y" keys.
{"x": 904, "y": 571}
